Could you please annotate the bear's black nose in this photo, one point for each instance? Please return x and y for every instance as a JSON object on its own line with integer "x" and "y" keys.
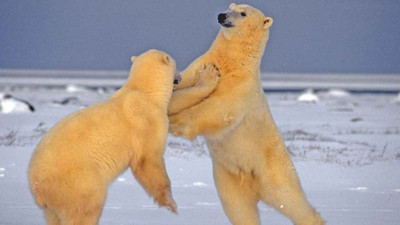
{"x": 221, "y": 18}
{"x": 177, "y": 80}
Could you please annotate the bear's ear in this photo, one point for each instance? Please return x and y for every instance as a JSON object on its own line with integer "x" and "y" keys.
{"x": 133, "y": 59}
{"x": 232, "y": 5}
{"x": 268, "y": 21}
{"x": 166, "y": 59}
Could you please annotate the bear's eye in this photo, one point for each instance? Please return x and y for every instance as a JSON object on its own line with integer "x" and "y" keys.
{"x": 243, "y": 14}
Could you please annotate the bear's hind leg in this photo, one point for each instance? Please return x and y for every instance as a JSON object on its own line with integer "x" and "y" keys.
{"x": 83, "y": 218}
{"x": 281, "y": 189}
{"x": 51, "y": 217}
{"x": 79, "y": 214}
{"x": 238, "y": 199}
{"x": 83, "y": 203}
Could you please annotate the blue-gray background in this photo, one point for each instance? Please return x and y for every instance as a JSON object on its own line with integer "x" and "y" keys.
{"x": 308, "y": 36}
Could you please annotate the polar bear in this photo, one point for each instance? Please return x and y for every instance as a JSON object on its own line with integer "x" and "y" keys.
{"x": 75, "y": 161}
{"x": 250, "y": 161}
{"x": 206, "y": 78}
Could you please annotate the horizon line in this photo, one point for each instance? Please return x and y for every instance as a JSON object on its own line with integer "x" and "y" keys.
{"x": 10, "y": 71}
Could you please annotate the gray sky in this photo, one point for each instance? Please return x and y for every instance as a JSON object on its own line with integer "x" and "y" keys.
{"x": 308, "y": 36}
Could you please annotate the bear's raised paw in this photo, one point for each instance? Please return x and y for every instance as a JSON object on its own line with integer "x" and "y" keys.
{"x": 208, "y": 76}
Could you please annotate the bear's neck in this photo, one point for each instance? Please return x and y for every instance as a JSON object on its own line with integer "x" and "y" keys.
{"x": 241, "y": 52}
{"x": 156, "y": 91}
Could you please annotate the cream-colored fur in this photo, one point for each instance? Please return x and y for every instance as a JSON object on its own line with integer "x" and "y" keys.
{"x": 249, "y": 158}
{"x": 84, "y": 152}
{"x": 207, "y": 79}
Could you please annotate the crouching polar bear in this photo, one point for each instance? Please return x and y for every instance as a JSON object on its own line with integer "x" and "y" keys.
{"x": 75, "y": 161}
{"x": 250, "y": 161}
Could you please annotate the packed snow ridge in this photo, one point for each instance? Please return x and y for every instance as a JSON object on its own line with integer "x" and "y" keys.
{"x": 308, "y": 96}
{"x": 10, "y": 104}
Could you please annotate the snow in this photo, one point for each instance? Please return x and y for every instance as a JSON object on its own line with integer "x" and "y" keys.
{"x": 338, "y": 93}
{"x": 397, "y": 98}
{"x": 8, "y": 104}
{"x": 308, "y": 96}
{"x": 346, "y": 150}
{"x": 73, "y": 88}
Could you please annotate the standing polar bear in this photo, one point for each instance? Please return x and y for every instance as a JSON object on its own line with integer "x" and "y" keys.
{"x": 73, "y": 164}
{"x": 250, "y": 161}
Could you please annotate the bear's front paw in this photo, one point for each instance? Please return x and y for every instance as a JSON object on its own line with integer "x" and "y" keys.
{"x": 209, "y": 76}
{"x": 165, "y": 199}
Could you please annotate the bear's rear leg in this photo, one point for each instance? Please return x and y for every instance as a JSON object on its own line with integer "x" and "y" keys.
{"x": 87, "y": 214}
{"x": 238, "y": 199}
{"x": 91, "y": 218}
{"x": 281, "y": 189}
{"x": 82, "y": 204}
{"x": 51, "y": 217}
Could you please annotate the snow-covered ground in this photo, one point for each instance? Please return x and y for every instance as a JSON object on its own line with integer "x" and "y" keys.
{"x": 346, "y": 148}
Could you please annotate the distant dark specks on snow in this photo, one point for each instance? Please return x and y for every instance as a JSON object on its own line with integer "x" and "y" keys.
{"x": 356, "y": 119}
{"x": 69, "y": 100}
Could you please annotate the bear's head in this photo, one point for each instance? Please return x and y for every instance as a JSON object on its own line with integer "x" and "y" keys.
{"x": 243, "y": 21}
{"x": 155, "y": 63}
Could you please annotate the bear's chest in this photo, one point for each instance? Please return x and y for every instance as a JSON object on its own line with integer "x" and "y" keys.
{"x": 240, "y": 148}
